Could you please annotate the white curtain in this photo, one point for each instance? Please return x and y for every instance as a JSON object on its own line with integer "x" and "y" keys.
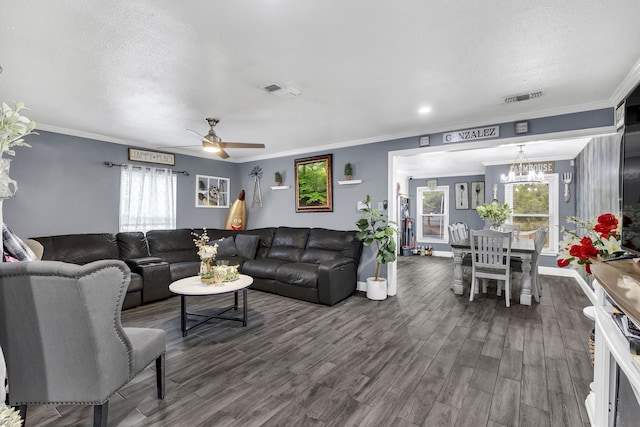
{"x": 147, "y": 198}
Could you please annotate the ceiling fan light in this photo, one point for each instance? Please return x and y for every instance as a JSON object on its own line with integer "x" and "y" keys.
{"x": 210, "y": 147}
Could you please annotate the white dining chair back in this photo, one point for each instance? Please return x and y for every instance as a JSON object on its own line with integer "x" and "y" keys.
{"x": 511, "y": 228}
{"x": 491, "y": 257}
{"x": 458, "y": 231}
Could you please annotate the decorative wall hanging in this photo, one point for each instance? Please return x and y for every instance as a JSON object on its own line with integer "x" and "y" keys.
{"x": 212, "y": 192}
{"x": 151, "y": 157}
{"x": 314, "y": 184}
{"x": 462, "y": 195}
{"x": 256, "y": 174}
{"x": 477, "y": 194}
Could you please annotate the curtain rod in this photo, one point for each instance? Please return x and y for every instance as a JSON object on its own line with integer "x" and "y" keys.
{"x": 111, "y": 164}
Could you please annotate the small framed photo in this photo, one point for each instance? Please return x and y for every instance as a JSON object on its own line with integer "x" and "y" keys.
{"x": 477, "y": 194}
{"x": 424, "y": 141}
{"x": 212, "y": 192}
{"x": 462, "y": 195}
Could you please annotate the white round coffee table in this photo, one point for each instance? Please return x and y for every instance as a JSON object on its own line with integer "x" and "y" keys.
{"x": 192, "y": 286}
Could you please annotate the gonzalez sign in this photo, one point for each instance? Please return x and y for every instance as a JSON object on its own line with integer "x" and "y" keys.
{"x": 471, "y": 134}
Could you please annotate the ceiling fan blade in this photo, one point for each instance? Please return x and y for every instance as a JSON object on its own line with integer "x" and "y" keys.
{"x": 200, "y": 137}
{"x": 240, "y": 145}
{"x": 223, "y": 154}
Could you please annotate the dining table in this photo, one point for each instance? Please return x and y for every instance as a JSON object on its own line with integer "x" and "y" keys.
{"x": 522, "y": 249}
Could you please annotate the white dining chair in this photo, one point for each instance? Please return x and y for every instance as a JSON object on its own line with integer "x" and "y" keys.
{"x": 511, "y": 228}
{"x": 458, "y": 231}
{"x": 490, "y": 257}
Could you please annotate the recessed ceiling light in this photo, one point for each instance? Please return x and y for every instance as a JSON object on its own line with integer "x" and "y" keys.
{"x": 424, "y": 110}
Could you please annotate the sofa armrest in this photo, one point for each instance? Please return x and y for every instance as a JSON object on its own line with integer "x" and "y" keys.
{"x": 337, "y": 279}
{"x": 139, "y": 262}
{"x": 156, "y": 277}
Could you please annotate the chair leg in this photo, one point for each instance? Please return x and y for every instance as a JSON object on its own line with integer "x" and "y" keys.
{"x": 473, "y": 288}
{"x": 160, "y": 376}
{"x": 100, "y": 413}
{"x": 507, "y": 292}
{"x": 499, "y": 286}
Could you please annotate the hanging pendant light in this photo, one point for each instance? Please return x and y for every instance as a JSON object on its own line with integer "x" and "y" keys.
{"x": 521, "y": 171}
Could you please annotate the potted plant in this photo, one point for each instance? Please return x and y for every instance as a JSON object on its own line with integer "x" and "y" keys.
{"x": 348, "y": 171}
{"x": 375, "y": 228}
{"x": 278, "y": 178}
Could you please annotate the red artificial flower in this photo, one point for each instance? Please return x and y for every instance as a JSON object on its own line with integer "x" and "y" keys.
{"x": 563, "y": 262}
{"x": 586, "y": 241}
{"x": 608, "y": 220}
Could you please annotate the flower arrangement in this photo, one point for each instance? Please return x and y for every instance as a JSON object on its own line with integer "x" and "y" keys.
{"x": 207, "y": 254}
{"x": 495, "y": 212}
{"x": 13, "y": 128}
{"x": 205, "y": 251}
{"x": 10, "y": 417}
{"x": 600, "y": 239}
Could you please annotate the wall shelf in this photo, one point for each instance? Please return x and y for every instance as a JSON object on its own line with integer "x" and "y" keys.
{"x": 280, "y": 187}
{"x": 350, "y": 182}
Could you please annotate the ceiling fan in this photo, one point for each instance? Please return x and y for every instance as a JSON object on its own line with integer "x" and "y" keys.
{"x": 212, "y": 143}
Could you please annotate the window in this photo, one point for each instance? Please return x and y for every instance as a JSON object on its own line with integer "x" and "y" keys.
{"x": 147, "y": 199}
{"x": 433, "y": 214}
{"x": 536, "y": 205}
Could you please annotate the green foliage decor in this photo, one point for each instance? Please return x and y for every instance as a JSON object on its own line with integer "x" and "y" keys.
{"x": 376, "y": 228}
{"x": 494, "y": 212}
{"x": 348, "y": 169}
{"x": 13, "y": 128}
{"x": 312, "y": 183}
{"x": 278, "y": 177}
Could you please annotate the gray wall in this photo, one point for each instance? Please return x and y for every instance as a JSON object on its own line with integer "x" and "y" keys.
{"x": 468, "y": 216}
{"x": 65, "y": 187}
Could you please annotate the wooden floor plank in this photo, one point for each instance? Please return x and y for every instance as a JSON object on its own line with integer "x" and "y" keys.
{"x": 424, "y": 357}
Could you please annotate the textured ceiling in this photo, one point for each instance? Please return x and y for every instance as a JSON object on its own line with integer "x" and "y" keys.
{"x": 141, "y": 72}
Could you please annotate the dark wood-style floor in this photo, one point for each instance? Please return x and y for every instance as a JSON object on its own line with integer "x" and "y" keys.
{"x": 425, "y": 357}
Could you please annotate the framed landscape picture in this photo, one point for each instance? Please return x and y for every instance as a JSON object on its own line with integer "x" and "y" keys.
{"x": 462, "y": 195}
{"x": 313, "y": 176}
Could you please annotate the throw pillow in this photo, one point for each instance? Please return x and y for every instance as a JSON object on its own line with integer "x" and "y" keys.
{"x": 247, "y": 245}
{"x": 226, "y": 247}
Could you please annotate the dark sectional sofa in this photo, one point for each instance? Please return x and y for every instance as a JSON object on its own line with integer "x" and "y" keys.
{"x": 312, "y": 264}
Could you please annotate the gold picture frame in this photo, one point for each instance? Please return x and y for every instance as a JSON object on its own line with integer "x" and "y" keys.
{"x": 314, "y": 184}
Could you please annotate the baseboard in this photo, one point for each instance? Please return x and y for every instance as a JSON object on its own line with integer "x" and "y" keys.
{"x": 569, "y": 272}
{"x": 361, "y": 286}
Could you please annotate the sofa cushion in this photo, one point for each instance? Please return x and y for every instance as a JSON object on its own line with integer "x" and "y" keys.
{"x": 291, "y": 237}
{"x": 300, "y": 274}
{"x": 172, "y": 245}
{"x": 247, "y": 245}
{"x": 79, "y": 248}
{"x": 285, "y": 254}
{"x": 226, "y": 247}
{"x": 343, "y": 241}
{"x": 132, "y": 245}
{"x": 316, "y": 256}
{"x": 262, "y": 268}
{"x": 180, "y": 270}
{"x": 266, "y": 239}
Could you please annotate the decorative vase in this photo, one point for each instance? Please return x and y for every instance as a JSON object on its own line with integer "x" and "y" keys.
{"x": 206, "y": 273}
{"x": 5, "y": 181}
{"x": 376, "y": 289}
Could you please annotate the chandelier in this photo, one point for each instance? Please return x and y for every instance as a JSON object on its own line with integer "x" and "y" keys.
{"x": 522, "y": 171}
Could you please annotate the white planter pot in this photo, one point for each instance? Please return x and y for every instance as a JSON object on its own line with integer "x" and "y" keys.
{"x": 376, "y": 289}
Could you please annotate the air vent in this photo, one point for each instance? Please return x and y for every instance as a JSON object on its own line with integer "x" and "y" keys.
{"x": 272, "y": 88}
{"x": 522, "y": 97}
{"x": 283, "y": 92}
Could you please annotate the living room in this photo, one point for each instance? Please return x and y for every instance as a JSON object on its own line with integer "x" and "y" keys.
{"x": 408, "y": 341}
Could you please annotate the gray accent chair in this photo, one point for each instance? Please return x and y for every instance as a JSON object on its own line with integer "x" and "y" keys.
{"x": 61, "y": 334}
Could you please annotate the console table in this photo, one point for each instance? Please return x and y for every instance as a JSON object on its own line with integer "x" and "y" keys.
{"x": 620, "y": 280}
